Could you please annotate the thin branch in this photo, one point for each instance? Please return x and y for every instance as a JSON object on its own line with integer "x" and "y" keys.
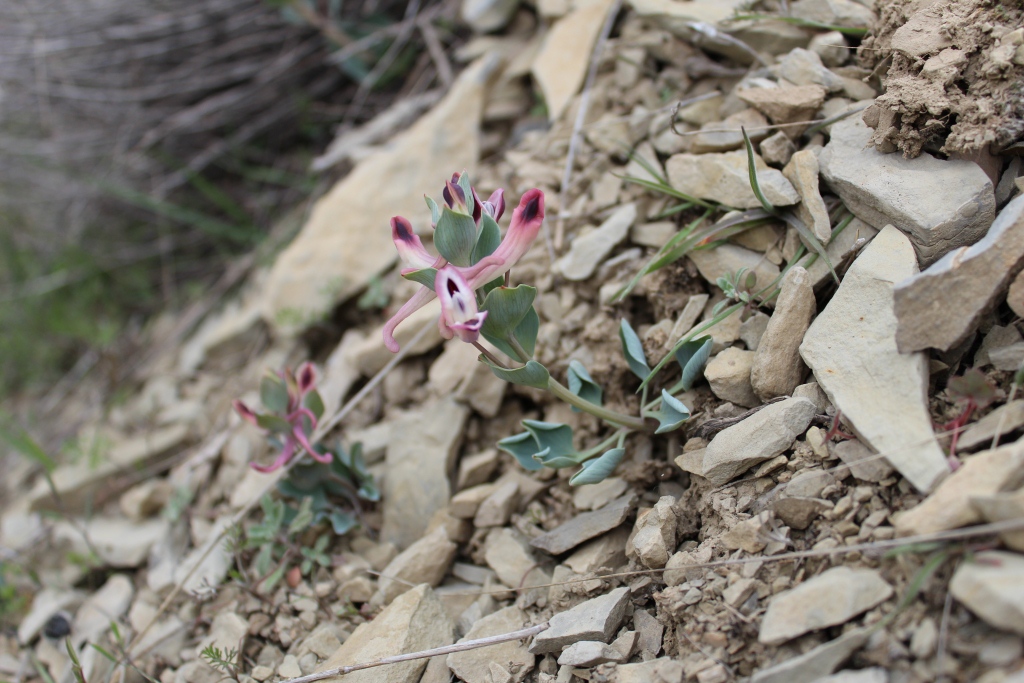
{"x": 447, "y": 649}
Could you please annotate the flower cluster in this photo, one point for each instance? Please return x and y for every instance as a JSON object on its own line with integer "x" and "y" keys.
{"x": 298, "y": 407}
{"x": 471, "y": 255}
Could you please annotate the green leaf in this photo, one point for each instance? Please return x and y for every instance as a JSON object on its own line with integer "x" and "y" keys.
{"x": 467, "y": 189}
{"x": 557, "y": 462}
{"x": 273, "y": 423}
{"x": 692, "y": 356}
{"x": 511, "y": 316}
{"x": 435, "y": 210}
{"x": 488, "y": 239}
{"x": 273, "y": 512}
{"x": 314, "y": 403}
{"x": 672, "y": 413}
{"x": 424, "y": 276}
{"x": 597, "y": 470}
{"x": 533, "y": 374}
{"x": 633, "y": 350}
{"x": 264, "y": 559}
{"x": 752, "y": 172}
{"x": 553, "y": 437}
{"x": 506, "y": 307}
{"x": 303, "y": 518}
{"x": 582, "y": 385}
{"x": 274, "y": 578}
{"x": 522, "y": 447}
{"x": 342, "y": 522}
{"x": 455, "y": 237}
{"x": 274, "y": 393}
{"x": 808, "y": 238}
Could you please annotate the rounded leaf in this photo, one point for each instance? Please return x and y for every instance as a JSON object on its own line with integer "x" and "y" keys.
{"x": 597, "y": 470}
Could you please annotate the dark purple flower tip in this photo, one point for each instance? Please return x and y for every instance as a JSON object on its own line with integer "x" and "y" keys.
{"x": 305, "y": 377}
{"x": 245, "y": 412}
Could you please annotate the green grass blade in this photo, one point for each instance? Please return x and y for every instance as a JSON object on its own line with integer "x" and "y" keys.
{"x": 810, "y": 240}
{"x": 752, "y": 172}
{"x": 665, "y": 188}
{"x": 805, "y": 23}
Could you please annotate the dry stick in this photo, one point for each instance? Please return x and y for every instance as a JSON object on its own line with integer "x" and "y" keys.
{"x": 447, "y": 649}
{"x": 581, "y": 114}
{"x": 436, "y": 51}
{"x": 322, "y": 430}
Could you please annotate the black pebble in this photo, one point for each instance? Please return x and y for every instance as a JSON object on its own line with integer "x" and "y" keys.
{"x": 58, "y": 626}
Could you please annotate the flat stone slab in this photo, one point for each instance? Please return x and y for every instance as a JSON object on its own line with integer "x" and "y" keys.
{"x": 596, "y": 619}
{"x": 940, "y": 306}
{"x": 585, "y": 526}
{"x": 940, "y": 205}
{"x": 760, "y": 437}
{"x": 851, "y": 348}
{"x": 833, "y": 597}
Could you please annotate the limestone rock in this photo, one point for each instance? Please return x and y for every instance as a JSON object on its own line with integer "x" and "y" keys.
{"x": 815, "y": 663}
{"x": 846, "y": 13}
{"x": 484, "y": 16}
{"x": 939, "y": 307}
{"x": 833, "y": 597}
{"x": 940, "y": 205}
{"x": 596, "y": 496}
{"x": 726, "y": 259}
{"x": 118, "y": 541}
{"x": 949, "y": 506}
{"x": 863, "y": 463}
{"x": 211, "y": 561}
{"x": 1003, "y": 420}
{"x": 78, "y": 483}
{"x": 607, "y": 551}
{"x": 760, "y": 437}
{"x": 802, "y": 171}
{"x": 476, "y": 469}
{"x": 786, "y": 103}
{"x": 750, "y": 535}
{"x": 465, "y": 503}
{"x": 585, "y": 526}
{"x": 831, "y": 47}
{"x": 804, "y": 67}
{"x": 107, "y": 604}
{"x": 1003, "y": 507}
{"x": 507, "y": 552}
{"x": 419, "y": 461}
{"x": 1015, "y": 294}
{"x": 797, "y": 512}
{"x": 654, "y": 538}
{"x": 346, "y": 240}
{"x": 588, "y": 250}
{"x": 561, "y": 65}
{"x": 875, "y": 674}
{"x": 596, "y": 619}
{"x": 472, "y": 666}
{"x": 425, "y": 561}
{"x": 662, "y": 670}
{"x": 777, "y": 369}
{"x": 227, "y": 632}
{"x": 587, "y": 653}
{"x": 853, "y": 237}
{"x": 724, "y": 178}
{"x": 498, "y": 507}
{"x": 752, "y": 330}
{"x": 992, "y": 586}
{"x": 728, "y": 373}
{"x": 777, "y": 149}
{"x": 414, "y": 621}
{"x": 851, "y": 348}
{"x": 727, "y": 135}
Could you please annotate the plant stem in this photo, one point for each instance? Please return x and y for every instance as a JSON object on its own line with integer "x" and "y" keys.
{"x": 524, "y": 357}
{"x": 610, "y": 416}
{"x": 489, "y": 356}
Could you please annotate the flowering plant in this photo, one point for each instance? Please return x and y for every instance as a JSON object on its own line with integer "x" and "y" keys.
{"x": 471, "y": 277}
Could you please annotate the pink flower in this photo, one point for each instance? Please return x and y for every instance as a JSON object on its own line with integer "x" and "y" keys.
{"x": 299, "y": 420}
{"x": 527, "y": 219}
{"x": 459, "y": 312}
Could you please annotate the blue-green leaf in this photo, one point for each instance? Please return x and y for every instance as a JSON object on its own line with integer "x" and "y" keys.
{"x": 556, "y": 462}
{"x": 597, "y": 470}
{"x": 522, "y": 447}
{"x": 554, "y": 438}
{"x": 314, "y": 403}
{"x": 455, "y": 237}
{"x": 533, "y": 374}
{"x": 692, "y": 356}
{"x": 510, "y": 314}
{"x": 467, "y": 189}
{"x": 488, "y": 239}
{"x": 274, "y": 393}
{"x": 424, "y": 276}
{"x": 435, "y": 210}
{"x": 273, "y": 423}
{"x": 342, "y": 522}
{"x": 581, "y": 384}
{"x": 633, "y": 350}
{"x": 672, "y": 413}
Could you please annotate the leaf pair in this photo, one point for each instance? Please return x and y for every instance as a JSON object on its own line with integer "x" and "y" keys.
{"x": 460, "y": 242}
{"x": 549, "y": 444}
